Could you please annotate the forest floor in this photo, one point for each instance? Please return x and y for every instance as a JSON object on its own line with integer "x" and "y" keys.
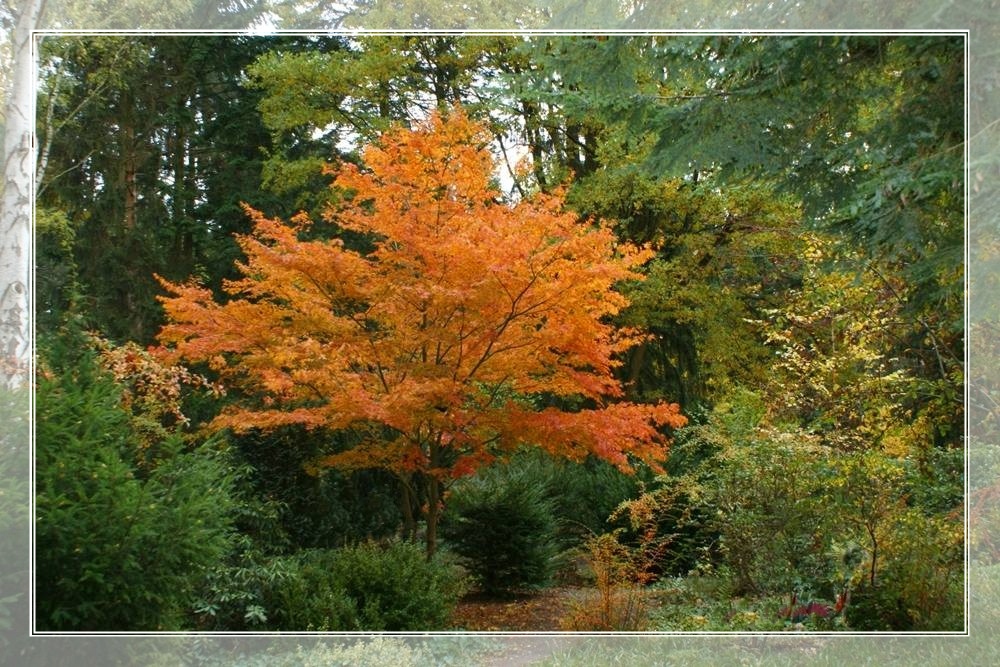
{"x": 536, "y": 611}
{"x": 540, "y": 611}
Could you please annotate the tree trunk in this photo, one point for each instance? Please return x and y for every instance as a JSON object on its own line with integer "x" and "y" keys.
{"x": 129, "y": 169}
{"x": 406, "y": 507}
{"x": 637, "y": 362}
{"x": 874, "y": 561}
{"x": 183, "y": 239}
{"x": 532, "y": 135}
{"x": 15, "y": 206}
{"x": 433, "y": 513}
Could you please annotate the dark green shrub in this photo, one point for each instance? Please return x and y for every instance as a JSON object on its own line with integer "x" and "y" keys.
{"x": 502, "y": 524}
{"x": 116, "y": 547}
{"x": 235, "y": 593}
{"x": 239, "y": 592}
{"x": 877, "y": 609}
{"x": 313, "y": 598}
{"x": 393, "y": 587}
{"x": 364, "y": 587}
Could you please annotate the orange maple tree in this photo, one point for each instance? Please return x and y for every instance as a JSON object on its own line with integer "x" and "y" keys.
{"x": 432, "y": 345}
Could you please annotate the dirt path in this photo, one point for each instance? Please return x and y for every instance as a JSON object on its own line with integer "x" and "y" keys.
{"x": 540, "y": 611}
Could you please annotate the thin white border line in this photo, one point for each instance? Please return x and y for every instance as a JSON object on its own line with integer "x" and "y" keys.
{"x": 529, "y": 32}
{"x": 966, "y": 439}
{"x": 33, "y": 307}
{"x": 432, "y": 634}
{"x": 36, "y": 34}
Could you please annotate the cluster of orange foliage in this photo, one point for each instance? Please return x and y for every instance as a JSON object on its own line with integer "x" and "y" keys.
{"x": 431, "y": 341}
{"x": 148, "y": 386}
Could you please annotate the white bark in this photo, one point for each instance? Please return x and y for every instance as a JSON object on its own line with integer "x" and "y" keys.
{"x": 15, "y": 205}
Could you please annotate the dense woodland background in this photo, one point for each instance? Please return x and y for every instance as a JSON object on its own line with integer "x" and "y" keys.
{"x": 804, "y": 197}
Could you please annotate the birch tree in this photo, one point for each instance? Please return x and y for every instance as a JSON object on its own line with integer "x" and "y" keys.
{"x": 15, "y": 202}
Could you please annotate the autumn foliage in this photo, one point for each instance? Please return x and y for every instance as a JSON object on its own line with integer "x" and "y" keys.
{"x": 436, "y": 344}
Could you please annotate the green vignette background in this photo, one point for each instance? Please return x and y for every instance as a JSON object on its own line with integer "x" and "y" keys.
{"x": 984, "y": 584}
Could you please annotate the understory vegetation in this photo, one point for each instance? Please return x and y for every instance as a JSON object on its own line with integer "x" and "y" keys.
{"x": 336, "y": 333}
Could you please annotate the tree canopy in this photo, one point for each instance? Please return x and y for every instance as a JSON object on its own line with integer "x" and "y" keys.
{"x": 440, "y": 342}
